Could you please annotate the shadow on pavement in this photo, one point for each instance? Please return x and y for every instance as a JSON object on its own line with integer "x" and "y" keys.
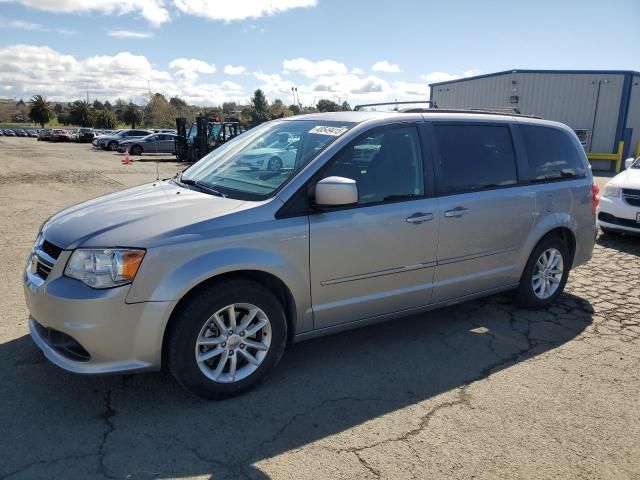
{"x": 625, "y": 243}
{"x": 144, "y": 426}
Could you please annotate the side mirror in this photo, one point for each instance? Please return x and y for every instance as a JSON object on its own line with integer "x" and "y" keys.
{"x": 628, "y": 162}
{"x": 336, "y": 192}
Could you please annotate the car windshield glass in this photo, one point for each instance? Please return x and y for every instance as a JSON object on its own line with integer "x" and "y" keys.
{"x": 636, "y": 164}
{"x": 252, "y": 166}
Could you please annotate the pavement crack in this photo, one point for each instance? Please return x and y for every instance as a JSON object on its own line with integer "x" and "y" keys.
{"x": 107, "y": 415}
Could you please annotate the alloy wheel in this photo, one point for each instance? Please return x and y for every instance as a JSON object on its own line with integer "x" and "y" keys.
{"x": 547, "y": 273}
{"x": 233, "y": 343}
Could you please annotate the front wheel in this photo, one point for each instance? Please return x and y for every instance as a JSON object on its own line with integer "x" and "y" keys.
{"x": 545, "y": 274}
{"x": 136, "y": 150}
{"x": 274, "y": 164}
{"x": 226, "y": 339}
{"x": 113, "y": 146}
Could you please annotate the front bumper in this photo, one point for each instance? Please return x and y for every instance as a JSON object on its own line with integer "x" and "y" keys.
{"x": 616, "y": 214}
{"x": 116, "y": 336}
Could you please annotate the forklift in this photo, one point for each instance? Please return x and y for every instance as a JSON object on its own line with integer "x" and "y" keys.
{"x": 205, "y": 135}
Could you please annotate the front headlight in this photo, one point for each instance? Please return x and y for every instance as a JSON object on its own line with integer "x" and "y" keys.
{"x": 104, "y": 268}
{"x": 611, "y": 190}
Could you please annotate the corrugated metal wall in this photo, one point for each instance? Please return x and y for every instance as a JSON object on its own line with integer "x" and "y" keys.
{"x": 633, "y": 118}
{"x": 566, "y": 97}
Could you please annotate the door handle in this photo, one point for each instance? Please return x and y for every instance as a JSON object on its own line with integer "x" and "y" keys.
{"x": 456, "y": 212}
{"x": 420, "y": 217}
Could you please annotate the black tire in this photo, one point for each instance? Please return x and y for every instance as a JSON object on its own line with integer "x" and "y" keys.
{"x": 196, "y": 312}
{"x": 608, "y": 231}
{"x": 274, "y": 164}
{"x": 112, "y": 145}
{"x": 136, "y": 150}
{"x": 525, "y": 294}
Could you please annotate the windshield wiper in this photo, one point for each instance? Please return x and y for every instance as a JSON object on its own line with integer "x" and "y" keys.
{"x": 204, "y": 188}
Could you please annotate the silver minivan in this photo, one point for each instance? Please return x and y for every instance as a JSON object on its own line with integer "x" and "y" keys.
{"x": 212, "y": 273}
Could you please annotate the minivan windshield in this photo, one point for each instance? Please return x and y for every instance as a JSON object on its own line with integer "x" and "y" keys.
{"x": 255, "y": 164}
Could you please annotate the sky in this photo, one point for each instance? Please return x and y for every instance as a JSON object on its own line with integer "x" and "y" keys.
{"x": 210, "y": 51}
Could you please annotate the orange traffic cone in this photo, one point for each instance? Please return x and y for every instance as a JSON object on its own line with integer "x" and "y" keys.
{"x": 127, "y": 160}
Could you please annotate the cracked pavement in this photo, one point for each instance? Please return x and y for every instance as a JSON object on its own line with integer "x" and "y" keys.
{"x": 479, "y": 390}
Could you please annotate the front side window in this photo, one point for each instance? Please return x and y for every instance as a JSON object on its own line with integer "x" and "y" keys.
{"x": 250, "y": 167}
{"x": 551, "y": 153}
{"x": 474, "y": 157}
{"x": 386, "y": 165}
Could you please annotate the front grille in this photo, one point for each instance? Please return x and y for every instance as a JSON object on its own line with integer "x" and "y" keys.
{"x": 631, "y": 196}
{"x": 42, "y": 269}
{"x": 50, "y": 249}
{"x": 624, "y": 222}
{"x": 62, "y": 343}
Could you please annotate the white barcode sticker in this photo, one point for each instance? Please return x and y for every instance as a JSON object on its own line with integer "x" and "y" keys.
{"x": 331, "y": 131}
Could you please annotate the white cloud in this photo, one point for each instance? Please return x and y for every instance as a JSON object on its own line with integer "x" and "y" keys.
{"x": 239, "y": 9}
{"x": 386, "y": 67}
{"x": 129, "y": 34}
{"x": 27, "y": 70}
{"x": 311, "y": 69}
{"x": 21, "y": 24}
{"x": 409, "y": 89}
{"x": 234, "y": 70}
{"x": 189, "y": 69}
{"x": 151, "y": 10}
{"x": 357, "y": 71}
{"x": 435, "y": 77}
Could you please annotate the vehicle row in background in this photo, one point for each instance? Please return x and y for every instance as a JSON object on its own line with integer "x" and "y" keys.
{"x": 18, "y": 132}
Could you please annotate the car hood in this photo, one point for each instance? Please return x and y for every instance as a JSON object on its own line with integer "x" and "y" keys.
{"x": 629, "y": 178}
{"x": 143, "y": 216}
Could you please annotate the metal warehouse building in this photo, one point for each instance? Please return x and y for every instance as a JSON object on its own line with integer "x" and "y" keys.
{"x": 602, "y": 106}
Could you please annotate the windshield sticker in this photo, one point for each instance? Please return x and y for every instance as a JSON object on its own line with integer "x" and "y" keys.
{"x": 331, "y": 131}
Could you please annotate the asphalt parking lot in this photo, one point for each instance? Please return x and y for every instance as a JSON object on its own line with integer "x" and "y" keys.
{"x": 481, "y": 390}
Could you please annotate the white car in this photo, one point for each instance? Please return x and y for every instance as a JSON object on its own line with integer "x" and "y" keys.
{"x": 619, "y": 209}
{"x": 275, "y": 157}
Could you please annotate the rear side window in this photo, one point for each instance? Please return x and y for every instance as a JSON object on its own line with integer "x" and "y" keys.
{"x": 475, "y": 157}
{"x": 551, "y": 153}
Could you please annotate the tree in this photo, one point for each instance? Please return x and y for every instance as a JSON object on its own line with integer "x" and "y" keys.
{"x": 58, "y": 108}
{"x": 98, "y": 105}
{"x": 178, "y": 103}
{"x": 63, "y": 118}
{"x": 82, "y": 113}
{"x": 259, "y": 107}
{"x": 106, "y": 119}
{"x": 278, "y": 110}
{"x": 131, "y": 115}
{"x": 345, "y": 106}
{"x": 20, "y": 103}
{"x": 40, "y": 110}
{"x": 295, "y": 109}
{"x": 107, "y": 105}
{"x": 325, "y": 105}
{"x": 159, "y": 113}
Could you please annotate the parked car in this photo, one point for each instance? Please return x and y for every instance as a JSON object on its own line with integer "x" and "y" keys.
{"x": 60, "y": 135}
{"x": 45, "y": 134}
{"x": 276, "y": 156}
{"x": 85, "y": 135}
{"x": 154, "y": 143}
{"x": 9, "y": 133}
{"x": 111, "y": 142}
{"x": 32, "y": 133}
{"x": 619, "y": 210}
{"x": 224, "y": 265}
{"x": 165, "y": 130}
{"x": 20, "y": 133}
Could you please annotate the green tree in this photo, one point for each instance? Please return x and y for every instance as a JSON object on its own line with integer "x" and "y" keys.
{"x": 295, "y": 109}
{"x": 82, "y": 113}
{"x": 159, "y": 113}
{"x": 131, "y": 115}
{"x": 278, "y": 110}
{"x": 58, "y": 108}
{"x": 98, "y": 105}
{"x": 63, "y": 118}
{"x": 345, "y": 106}
{"x": 40, "y": 110}
{"x": 106, "y": 119}
{"x": 325, "y": 105}
{"x": 108, "y": 106}
{"x": 259, "y": 108}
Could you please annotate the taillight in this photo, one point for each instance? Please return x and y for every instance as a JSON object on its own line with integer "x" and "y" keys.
{"x": 595, "y": 198}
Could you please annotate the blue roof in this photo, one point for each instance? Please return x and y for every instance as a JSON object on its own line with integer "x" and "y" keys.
{"x": 507, "y": 72}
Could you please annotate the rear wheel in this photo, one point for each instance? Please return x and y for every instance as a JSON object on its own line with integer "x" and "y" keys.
{"x": 113, "y": 146}
{"x": 226, "y": 339}
{"x": 545, "y": 274}
{"x": 275, "y": 164}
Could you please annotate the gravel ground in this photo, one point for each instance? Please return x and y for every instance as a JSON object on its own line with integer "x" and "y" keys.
{"x": 481, "y": 390}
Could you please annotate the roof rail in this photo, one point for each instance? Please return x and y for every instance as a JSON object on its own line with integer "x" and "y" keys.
{"x": 359, "y": 107}
{"x": 513, "y": 112}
